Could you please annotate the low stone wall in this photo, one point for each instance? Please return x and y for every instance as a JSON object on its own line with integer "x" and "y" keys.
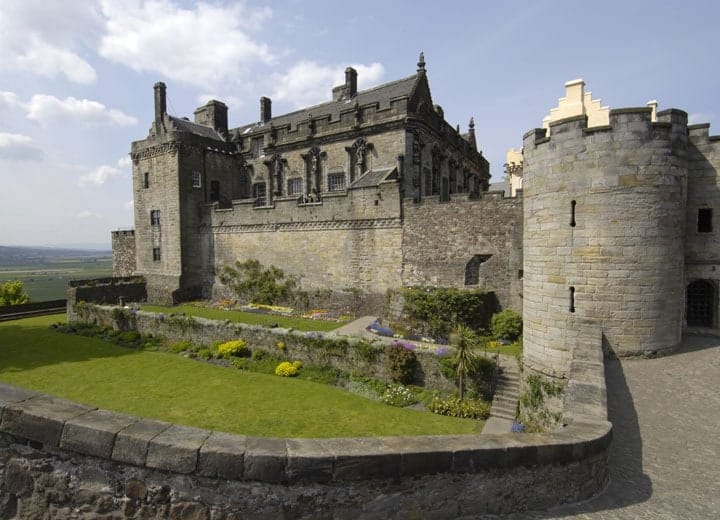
{"x": 63, "y": 459}
{"x": 24, "y": 310}
{"x": 107, "y": 290}
{"x": 369, "y": 361}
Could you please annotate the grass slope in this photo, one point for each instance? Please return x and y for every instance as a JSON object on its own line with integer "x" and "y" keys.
{"x": 172, "y": 388}
{"x": 251, "y": 318}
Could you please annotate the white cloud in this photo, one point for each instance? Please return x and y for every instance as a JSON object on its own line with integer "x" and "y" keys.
{"x": 308, "y": 82}
{"x": 87, "y": 214}
{"x": 18, "y": 147}
{"x": 45, "y": 38}
{"x": 202, "y": 46}
{"x": 103, "y": 173}
{"x": 9, "y": 99}
{"x": 44, "y": 108}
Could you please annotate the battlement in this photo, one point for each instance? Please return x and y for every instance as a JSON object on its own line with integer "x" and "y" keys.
{"x": 630, "y": 123}
{"x": 123, "y": 232}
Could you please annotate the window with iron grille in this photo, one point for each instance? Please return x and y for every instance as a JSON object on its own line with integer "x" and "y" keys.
{"x": 156, "y": 254}
{"x": 295, "y": 186}
{"x": 155, "y": 217}
{"x": 705, "y": 220}
{"x": 336, "y": 182}
{"x": 260, "y": 194}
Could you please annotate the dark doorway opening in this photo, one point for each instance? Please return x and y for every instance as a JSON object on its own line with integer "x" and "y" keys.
{"x": 700, "y": 304}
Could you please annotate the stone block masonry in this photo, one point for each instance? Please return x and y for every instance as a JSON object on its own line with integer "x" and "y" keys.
{"x": 62, "y": 459}
{"x": 603, "y": 234}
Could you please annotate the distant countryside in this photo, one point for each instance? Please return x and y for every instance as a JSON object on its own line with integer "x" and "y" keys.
{"x": 45, "y": 272}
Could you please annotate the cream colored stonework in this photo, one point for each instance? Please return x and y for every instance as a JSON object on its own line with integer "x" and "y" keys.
{"x": 577, "y": 102}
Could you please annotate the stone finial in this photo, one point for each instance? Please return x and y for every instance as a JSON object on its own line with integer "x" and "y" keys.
{"x": 471, "y": 126}
{"x": 471, "y": 133}
{"x": 421, "y": 62}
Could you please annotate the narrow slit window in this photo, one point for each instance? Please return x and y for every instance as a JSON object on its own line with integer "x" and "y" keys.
{"x": 704, "y": 223}
{"x": 572, "y": 299}
{"x": 146, "y": 180}
{"x": 156, "y": 254}
{"x": 572, "y": 212}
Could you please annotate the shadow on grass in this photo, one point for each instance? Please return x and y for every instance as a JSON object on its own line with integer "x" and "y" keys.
{"x": 31, "y": 343}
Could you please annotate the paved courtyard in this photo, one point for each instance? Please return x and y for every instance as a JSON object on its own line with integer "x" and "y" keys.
{"x": 665, "y": 457}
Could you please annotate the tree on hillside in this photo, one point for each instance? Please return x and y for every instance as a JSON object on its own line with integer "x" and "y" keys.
{"x": 13, "y": 293}
{"x": 464, "y": 340}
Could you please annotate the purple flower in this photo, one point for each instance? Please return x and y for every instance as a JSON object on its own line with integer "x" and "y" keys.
{"x": 403, "y": 344}
{"x": 517, "y": 428}
{"x": 441, "y": 351}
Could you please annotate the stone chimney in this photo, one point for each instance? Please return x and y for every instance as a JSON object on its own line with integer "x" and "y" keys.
{"x": 160, "y": 103}
{"x": 349, "y": 88}
{"x": 265, "y": 109}
{"x": 350, "y": 82}
{"x": 213, "y": 114}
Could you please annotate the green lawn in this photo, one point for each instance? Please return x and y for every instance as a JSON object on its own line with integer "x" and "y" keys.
{"x": 172, "y": 388}
{"x": 252, "y": 318}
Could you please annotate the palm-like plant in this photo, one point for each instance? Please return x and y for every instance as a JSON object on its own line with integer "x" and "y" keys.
{"x": 464, "y": 340}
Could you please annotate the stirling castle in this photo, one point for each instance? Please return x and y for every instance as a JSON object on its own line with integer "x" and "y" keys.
{"x": 374, "y": 190}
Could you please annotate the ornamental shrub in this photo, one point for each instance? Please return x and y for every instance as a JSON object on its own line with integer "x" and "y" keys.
{"x": 236, "y": 347}
{"x": 286, "y": 369}
{"x": 466, "y": 408}
{"x": 506, "y": 324}
{"x": 401, "y": 364}
{"x": 399, "y": 395}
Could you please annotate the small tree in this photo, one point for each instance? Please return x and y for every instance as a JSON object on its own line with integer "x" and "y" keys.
{"x": 464, "y": 340}
{"x": 13, "y": 293}
{"x": 250, "y": 281}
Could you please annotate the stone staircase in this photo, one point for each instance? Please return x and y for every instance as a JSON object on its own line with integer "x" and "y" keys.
{"x": 504, "y": 403}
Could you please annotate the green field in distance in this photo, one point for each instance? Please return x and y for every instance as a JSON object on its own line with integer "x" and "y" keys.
{"x": 48, "y": 280}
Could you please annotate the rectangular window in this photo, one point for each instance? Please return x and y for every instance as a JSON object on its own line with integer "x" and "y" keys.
{"x": 155, "y": 217}
{"x": 295, "y": 186}
{"x": 704, "y": 224}
{"x": 214, "y": 191}
{"x": 196, "y": 180}
{"x": 260, "y": 194}
{"x": 336, "y": 182}
{"x": 156, "y": 254}
{"x": 258, "y": 147}
{"x": 146, "y": 180}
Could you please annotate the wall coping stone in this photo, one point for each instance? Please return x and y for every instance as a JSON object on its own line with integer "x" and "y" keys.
{"x": 186, "y": 450}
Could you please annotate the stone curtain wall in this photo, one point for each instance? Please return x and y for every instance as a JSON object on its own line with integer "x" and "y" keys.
{"x": 59, "y": 459}
{"x": 440, "y": 238}
{"x": 123, "y": 253}
{"x": 702, "y": 250}
{"x": 623, "y": 252}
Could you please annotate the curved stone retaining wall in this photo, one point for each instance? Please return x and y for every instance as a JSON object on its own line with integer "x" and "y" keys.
{"x": 65, "y": 459}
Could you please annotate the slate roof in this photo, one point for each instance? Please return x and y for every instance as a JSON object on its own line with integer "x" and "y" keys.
{"x": 183, "y": 125}
{"x": 382, "y": 95}
{"x": 374, "y": 178}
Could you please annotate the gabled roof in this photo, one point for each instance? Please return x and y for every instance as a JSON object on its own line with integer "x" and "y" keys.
{"x": 382, "y": 95}
{"x": 183, "y": 125}
{"x": 375, "y": 177}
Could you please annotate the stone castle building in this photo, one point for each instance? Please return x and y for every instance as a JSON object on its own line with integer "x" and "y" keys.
{"x": 371, "y": 191}
{"x": 612, "y": 222}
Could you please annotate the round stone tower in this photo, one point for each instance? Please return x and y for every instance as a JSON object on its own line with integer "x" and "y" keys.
{"x": 604, "y": 216}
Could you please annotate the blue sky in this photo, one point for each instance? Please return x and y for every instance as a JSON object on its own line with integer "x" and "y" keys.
{"x": 76, "y": 78}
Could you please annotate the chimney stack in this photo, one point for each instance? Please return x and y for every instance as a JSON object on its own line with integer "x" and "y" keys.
{"x": 160, "y": 103}
{"x": 350, "y": 82}
{"x": 265, "y": 109}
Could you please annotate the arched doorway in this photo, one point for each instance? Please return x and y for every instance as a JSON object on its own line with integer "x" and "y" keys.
{"x": 700, "y": 304}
